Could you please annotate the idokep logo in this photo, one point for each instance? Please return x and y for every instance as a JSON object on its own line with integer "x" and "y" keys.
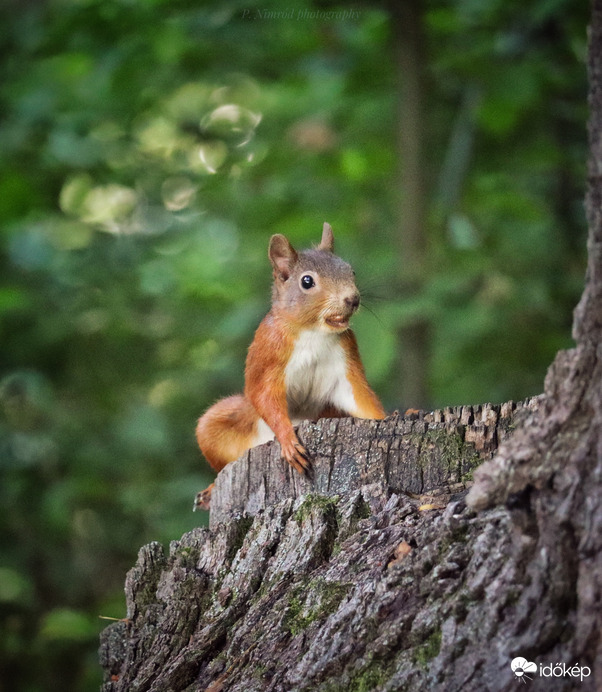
{"x": 523, "y": 668}
{"x": 526, "y": 670}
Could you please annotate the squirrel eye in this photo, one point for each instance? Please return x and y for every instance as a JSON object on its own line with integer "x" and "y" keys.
{"x": 307, "y": 281}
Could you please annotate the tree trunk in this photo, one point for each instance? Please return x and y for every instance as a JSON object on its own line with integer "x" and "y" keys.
{"x": 411, "y": 238}
{"x": 380, "y": 574}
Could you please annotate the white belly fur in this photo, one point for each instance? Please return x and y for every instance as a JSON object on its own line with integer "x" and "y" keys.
{"x": 316, "y": 376}
{"x": 263, "y": 434}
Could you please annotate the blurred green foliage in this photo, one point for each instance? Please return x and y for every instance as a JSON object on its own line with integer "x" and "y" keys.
{"x": 148, "y": 149}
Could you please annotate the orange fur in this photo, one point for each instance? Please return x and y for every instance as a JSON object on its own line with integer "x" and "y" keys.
{"x": 264, "y": 382}
{"x": 226, "y": 430}
{"x": 368, "y": 404}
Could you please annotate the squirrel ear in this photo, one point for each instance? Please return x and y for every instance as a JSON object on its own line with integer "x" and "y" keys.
{"x": 283, "y": 256}
{"x": 327, "y": 238}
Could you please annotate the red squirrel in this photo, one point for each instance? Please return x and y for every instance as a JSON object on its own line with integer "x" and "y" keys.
{"x": 304, "y": 362}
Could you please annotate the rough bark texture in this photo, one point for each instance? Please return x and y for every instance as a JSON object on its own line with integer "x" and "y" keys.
{"x": 413, "y": 454}
{"x": 381, "y": 575}
{"x": 362, "y": 578}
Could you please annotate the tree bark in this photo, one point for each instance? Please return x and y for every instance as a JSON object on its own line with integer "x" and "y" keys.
{"x": 381, "y": 573}
{"x": 416, "y": 455}
{"x": 310, "y": 584}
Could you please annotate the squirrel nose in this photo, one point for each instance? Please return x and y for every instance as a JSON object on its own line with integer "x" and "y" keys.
{"x": 353, "y": 301}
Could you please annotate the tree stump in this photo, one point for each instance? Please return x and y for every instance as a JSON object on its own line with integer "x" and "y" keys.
{"x": 415, "y": 454}
{"x": 374, "y": 575}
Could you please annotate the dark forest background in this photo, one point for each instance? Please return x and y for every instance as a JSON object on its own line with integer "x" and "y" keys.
{"x": 149, "y": 148}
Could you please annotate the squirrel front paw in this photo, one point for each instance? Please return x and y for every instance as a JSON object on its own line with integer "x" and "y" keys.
{"x": 296, "y": 455}
{"x": 203, "y": 499}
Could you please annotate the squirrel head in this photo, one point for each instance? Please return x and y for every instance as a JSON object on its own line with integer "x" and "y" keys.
{"x": 314, "y": 288}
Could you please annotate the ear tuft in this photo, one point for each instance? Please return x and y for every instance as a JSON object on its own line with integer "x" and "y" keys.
{"x": 283, "y": 256}
{"x": 327, "y": 242}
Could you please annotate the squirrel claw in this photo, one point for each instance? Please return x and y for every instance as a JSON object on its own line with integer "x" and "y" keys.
{"x": 297, "y": 456}
{"x": 203, "y": 499}
{"x": 302, "y": 452}
{"x": 301, "y": 457}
